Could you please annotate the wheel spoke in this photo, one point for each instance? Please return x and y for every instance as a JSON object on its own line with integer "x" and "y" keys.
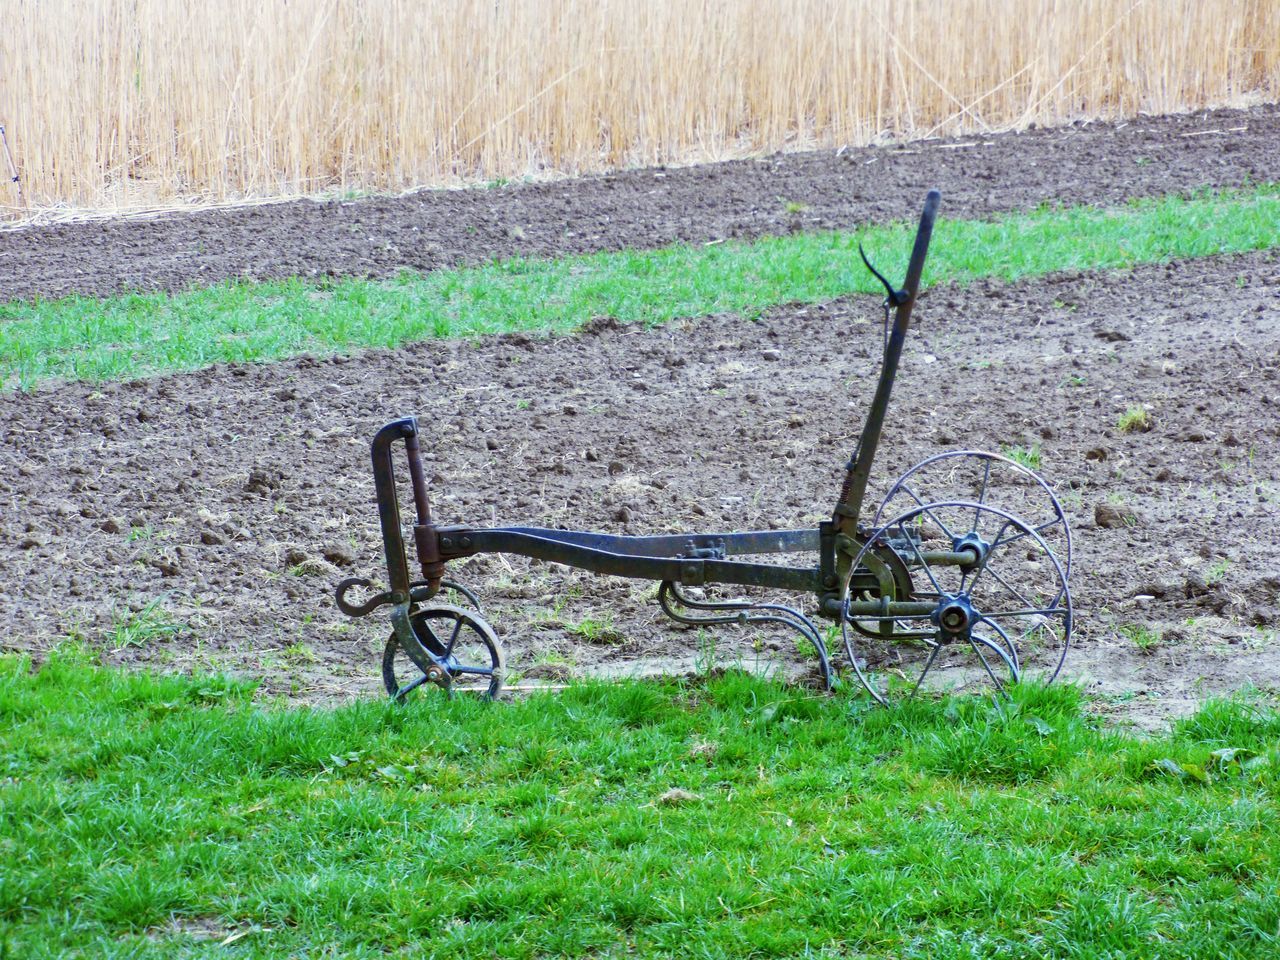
{"x": 1008, "y": 586}
{"x": 457, "y": 628}
{"x": 435, "y": 640}
{"x": 1037, "y": 530}
{"x": 982, "y": 494}
{"x": 478, "y": 671}
{"x": 920, "y": 556}
{"x": 1014, "y": 661}
{"x": 1036, "y": 620}
{"x": 987, "y": 666}
{"x": 1046, "y": 612}
{"x": 932, "y": 516}
{"x": 411, "y": 686}
{"x": 933, "y": 655}
{"x": 995, "y": 545}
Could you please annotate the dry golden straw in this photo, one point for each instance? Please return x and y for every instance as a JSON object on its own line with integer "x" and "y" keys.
{"x": 117, "y": 104}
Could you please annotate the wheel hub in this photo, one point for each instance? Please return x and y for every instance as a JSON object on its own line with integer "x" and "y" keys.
{"x": 954, "y": 617}
{"x": 973, "y": 544}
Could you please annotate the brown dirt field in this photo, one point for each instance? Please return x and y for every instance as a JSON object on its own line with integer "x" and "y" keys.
{"x": 237, "y": 496}
{"x": 979, "y": 176}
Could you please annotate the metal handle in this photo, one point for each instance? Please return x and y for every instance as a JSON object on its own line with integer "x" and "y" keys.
{"x": 384, "y": 483}
{"x": 858, "y": 470}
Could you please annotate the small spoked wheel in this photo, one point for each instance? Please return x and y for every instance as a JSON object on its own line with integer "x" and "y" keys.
{"x": 985, "y": 478}
{"x": 991, "y": 602}
{"x": 466, "y": 656}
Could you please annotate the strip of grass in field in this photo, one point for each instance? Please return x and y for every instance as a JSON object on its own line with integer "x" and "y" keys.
{"x": 130, "y": 336}
{"x": 148, "y": 816}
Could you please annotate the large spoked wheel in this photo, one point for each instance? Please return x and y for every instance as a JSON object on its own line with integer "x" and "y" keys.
{"x": 467, "y": 656}
{"x": 991, "y": 602}
{"x": 983, "y": 478}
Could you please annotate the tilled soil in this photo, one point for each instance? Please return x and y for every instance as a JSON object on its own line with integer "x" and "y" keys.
{"x": 1085, "y": 163}
{"x": 203, "y": 519}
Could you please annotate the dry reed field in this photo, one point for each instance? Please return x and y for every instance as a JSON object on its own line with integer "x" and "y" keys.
{"x": 119, "y": 104}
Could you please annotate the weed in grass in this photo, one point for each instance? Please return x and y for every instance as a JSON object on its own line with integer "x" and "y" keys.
{"x": 1028, "y": 457}
{"x": 707, "y": 659}
{"x": 1135, "y": 420}
{"x": 138, "y": 629}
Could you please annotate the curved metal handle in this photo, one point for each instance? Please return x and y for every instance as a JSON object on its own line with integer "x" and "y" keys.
{"x": 360, "y": 609}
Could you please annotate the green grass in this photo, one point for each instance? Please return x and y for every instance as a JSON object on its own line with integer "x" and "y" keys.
{"x": 146, "y": 816}
{"x": 129, "y": 336}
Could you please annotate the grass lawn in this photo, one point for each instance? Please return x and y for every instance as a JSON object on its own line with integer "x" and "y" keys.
{"x": 145, "y": 816}
{"x": 130, "y": 336}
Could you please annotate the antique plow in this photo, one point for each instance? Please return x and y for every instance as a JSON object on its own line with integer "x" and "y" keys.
{"x": 960, "y": 576}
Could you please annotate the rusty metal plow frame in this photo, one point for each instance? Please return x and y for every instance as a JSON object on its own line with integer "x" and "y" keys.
{"x": 857, "y": 578}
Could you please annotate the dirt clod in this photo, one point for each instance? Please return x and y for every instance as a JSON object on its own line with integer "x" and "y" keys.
{"x": 262, "y": 480}
{"x": 339, "y": 555}
{"x": 1111, "y": 517}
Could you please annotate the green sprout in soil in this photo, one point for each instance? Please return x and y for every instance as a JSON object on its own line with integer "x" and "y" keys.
{"x": 1028, "y": 457}
{"x": 1217, "y": 570}
{"x": 138, "y": 629}
{"x": 1134, "y": 420}
{"x": 597, "y": 630}
{"x": 1142, "y": 637}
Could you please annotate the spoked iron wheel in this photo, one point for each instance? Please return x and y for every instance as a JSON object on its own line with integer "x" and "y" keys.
{"x": 468, "y": 656}
{"x": 991, "y": 601}
{"x": 984, "y": 478}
